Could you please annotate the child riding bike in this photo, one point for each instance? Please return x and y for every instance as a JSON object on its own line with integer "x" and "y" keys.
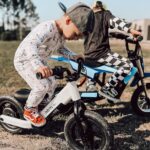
{"x": 33, "y": 52}
{"x": 98, "y": 52}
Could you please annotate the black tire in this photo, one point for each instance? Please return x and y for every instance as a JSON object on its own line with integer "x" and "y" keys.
{"x": 98, "y": 127}
{"x": 22, "y": 95}
{"x": 139, "y": 103}
{"x": 11, "y": 107}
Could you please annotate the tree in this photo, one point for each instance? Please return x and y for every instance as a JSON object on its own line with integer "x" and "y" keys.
{"x": 18, "y": 15}
{"x": 24, "y": 16}
{"x": 4, "y": 6}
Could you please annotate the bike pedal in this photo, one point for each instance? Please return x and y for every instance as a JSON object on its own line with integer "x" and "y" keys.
{"x": 59, "y": 133}
{"x": 109, "y": 97}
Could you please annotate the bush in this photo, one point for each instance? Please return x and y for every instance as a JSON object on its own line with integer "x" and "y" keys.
{"x": 8, "y": 35}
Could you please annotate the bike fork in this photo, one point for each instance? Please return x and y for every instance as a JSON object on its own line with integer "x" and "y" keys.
{"x": 79, "y": 109}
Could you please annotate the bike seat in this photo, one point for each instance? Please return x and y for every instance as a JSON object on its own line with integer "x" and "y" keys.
{"x": 22, "y": 94}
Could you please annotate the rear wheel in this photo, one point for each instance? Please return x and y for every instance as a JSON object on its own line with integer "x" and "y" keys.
{"x": 96, "y": 128}
{"x": 139, "y": 103}
{"x": 11, "y": 107}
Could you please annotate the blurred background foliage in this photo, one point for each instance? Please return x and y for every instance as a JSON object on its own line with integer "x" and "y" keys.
{"x": 17, "y": 18}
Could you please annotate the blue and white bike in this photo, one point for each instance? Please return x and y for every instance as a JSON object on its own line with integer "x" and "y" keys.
{"x": 140, "y": 100}
{"x": 83, "y": 129}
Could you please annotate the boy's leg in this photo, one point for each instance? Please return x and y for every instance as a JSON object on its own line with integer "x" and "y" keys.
{"x": 122, "y": 64}
{"x": 39, "y": 88}
{"x": 124, "y": 67}
{"x": 50, "y": 92}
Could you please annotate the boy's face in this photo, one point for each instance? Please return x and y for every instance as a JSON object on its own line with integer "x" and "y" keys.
{"x": 70, "y": 31}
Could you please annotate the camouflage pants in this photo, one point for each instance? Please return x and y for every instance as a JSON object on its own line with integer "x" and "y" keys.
{"x": 39, "y": 88}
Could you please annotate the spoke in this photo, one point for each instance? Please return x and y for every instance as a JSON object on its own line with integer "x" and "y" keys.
{"x": 142, "y": 105}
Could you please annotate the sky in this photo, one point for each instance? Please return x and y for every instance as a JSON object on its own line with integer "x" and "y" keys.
{"x": 126, "y": 9}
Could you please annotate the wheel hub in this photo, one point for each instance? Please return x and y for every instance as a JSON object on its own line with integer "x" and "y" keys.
{"x": 144, "y": 104}
{"x": 9, "y": 112}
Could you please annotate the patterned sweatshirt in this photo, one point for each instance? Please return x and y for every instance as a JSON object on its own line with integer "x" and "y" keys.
{"x": 97, "y": 43}
{"x": 38, "y": 45}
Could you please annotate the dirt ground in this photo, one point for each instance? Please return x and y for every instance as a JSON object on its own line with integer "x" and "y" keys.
{"x": 131, "y": 132}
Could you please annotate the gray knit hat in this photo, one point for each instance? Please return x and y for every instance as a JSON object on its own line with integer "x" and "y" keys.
{"x": 82, "y": 16}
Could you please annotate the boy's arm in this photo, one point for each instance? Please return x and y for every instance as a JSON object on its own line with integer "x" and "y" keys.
{"x": 121, "y": 25}
{"x": 66, "y": 52}
{"x": 33, "y": 56}
{"x": 33, "y": 43}
{"x": 36, "y": 61}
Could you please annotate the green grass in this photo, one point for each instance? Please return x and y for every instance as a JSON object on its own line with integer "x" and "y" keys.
{"x": 9, "y": 78}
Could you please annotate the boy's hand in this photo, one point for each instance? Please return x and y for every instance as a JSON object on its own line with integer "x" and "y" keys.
{"x": 135, "y": 33}
{"x": 45, "y": 71}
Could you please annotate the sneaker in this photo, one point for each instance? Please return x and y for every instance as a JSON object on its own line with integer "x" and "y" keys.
{"x": 109, "y": 93}
{"x": 46, "y": 100}
{"x": 34, "y": 117}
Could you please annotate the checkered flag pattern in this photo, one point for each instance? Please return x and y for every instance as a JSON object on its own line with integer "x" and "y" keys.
{"x": 122, "y": 65}
{"x": 119, "y": 24}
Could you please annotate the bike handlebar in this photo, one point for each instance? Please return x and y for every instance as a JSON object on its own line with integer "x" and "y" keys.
{"x": 39, "y": 75}
{"x": 132, "y": 40}
{"x": 119, "y": 35}
{"x": 59, "y": 71}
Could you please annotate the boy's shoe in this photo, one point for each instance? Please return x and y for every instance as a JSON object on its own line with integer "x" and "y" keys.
{"x": 109, "y": 93}
{"x": 34, "y": 117}
{"x": 45, "y": 101}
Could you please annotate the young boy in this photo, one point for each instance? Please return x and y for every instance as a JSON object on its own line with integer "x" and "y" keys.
{"x": 97, "y": 48}
{"x": 33, "y": 52}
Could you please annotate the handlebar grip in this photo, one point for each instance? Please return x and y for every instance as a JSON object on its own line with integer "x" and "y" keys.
{"x": 131, "y": 40}
{"x": 57, "y": 71}
{"x": 39, "y": 76}
{"x": 139, "y": 38}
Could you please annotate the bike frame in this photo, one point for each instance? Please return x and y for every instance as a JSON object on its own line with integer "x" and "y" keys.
{"x": 68, "y": 93}
{"x": 93, "y": 73}
{"x": 136, "y": 57}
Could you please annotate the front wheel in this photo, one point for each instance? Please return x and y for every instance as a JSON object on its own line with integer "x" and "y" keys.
{"x": 139, "y": 103}
{"x": 100, "y": 134}
{"x": 11, "y": 107}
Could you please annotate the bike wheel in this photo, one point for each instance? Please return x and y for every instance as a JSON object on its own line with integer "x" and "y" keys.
{"x": 99, "y": 130}
{"x": 11, "y": 107}
{"x": 139, "y": 103}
